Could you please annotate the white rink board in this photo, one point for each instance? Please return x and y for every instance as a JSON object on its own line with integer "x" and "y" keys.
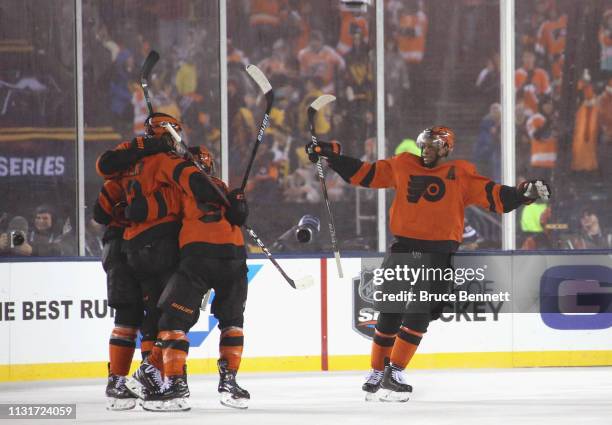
{"x": 274, "y": 312}
{"x": 279, "y": 321}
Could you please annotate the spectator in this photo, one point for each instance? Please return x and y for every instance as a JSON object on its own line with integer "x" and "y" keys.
{"x": 531, "y": 81}
{"x": 320, "y": 60}
{"x": 279, "y": 64}
{"x": 412, "y": 32}
{"x": 534, "y": 218}
{"x": 299, "y": 26}
{"x": 586, "y": 128}
{"x": 351, "y": 23}
{"x": 242, "y": 129}
{"x": 605, "y": 120}
{"x": 322, "y": 120}
{"x": 543, "y": 137}
{"x": 265, "y": 19}
{"x": 46, "y": 234}
{"x": 359, "y": 88}
{"x": 42, "y": 241}
{"x": 14, "y": 242}
{"x": 471, "y": 238}
{"x": 528, "y": 30}
{"x": 590, "y": 235}
{"x": 186, "y": 78}
{"x": 487, "y": 149}
{"x": 550, "y": 42}
{"x": 263, "y": 185}
{"x": 302, "y": 185}
{"x": 236, "y": 59}
{"x": 487, "y": 83}
{"x": 605, "y": 44}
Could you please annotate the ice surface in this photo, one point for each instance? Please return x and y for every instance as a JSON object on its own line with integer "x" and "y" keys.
{"x": 471, "y": 397}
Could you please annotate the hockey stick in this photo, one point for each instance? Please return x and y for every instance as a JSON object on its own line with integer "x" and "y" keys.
{"x": 147, "y": 67}
{"x": 302, "y": 283}
{"x": 181, "y": 149}
{"x": 266, "y": 88}
{"x": 204, "y": 303}
{"x": 314, "y": 107}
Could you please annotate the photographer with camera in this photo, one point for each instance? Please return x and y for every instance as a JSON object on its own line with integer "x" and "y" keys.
{"x": 14, "y": 241}
{"x": 42, "y": 241}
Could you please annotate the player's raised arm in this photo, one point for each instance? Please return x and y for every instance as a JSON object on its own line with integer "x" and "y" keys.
{"x": 376, "y": 175}
{"x": 126, "y": 154}
{"x": 499, "y": 198}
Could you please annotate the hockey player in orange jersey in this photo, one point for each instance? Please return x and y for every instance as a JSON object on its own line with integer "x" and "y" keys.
{"x": 123, "y": 295}
{"x": 426, "y": 219}
{"x": 142, "y": 167}
{"x": 213, "y": 256}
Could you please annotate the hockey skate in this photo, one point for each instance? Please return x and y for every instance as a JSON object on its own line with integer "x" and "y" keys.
{"x": 393, "y": 387}
{"x": 146, "y": 378}
{"x": 231, "y": 393}
{"x": 372, "y": 384}
{"x": 117, "y": 394}
{"x": 171, "y": 397}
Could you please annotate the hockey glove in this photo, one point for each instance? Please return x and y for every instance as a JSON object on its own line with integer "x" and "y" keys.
{"x": 238, "y": 211}
{"x": 323, "y": 149}
{"x": 151, "y": 145}
{"x": 534, "y": 189}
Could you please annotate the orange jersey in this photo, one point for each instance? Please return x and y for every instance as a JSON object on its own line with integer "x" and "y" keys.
{"x": 551, "y": 37}
{"x": 429, "y": 203}
{"x": 144, "y": 178}
{"x": 543, "y": 146}
{"x": 205, "y": 229}
{"x": 412, "y": 36}
{"x": 323, "y": 64}
{"x": 268, "y": 12}
{"x": 350, "y": 21}
{"x": 110, "y": 196}
{"x": 533, "y": 84}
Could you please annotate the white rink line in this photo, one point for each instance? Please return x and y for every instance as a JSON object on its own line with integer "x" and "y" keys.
{"x": 468, "y": 397}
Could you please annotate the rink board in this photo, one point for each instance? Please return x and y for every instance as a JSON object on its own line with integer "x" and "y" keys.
{"x": 55, "y": 323}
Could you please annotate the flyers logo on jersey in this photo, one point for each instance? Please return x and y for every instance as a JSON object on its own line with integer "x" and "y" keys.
{"x": 431, "y": 188}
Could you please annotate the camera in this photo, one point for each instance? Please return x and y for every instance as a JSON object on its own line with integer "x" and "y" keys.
{"x": 17, "y": 238}
{"x": 307, "y": 227}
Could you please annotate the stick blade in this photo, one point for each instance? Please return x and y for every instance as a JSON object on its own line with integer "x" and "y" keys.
{"x": 304, "y": 282}
{"x": 148, "y": 65}
{"x": 321, "y": 101}
{"x": 338, "y": 264}
{"x": 259, "y": 78}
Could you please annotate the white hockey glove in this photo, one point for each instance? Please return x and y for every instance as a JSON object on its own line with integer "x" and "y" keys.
{"x": 535, "y": 189}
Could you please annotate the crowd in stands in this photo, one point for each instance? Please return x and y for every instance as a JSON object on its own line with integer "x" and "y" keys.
{"x": 307, "y": 48}
{"x": 583, "y": 178}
